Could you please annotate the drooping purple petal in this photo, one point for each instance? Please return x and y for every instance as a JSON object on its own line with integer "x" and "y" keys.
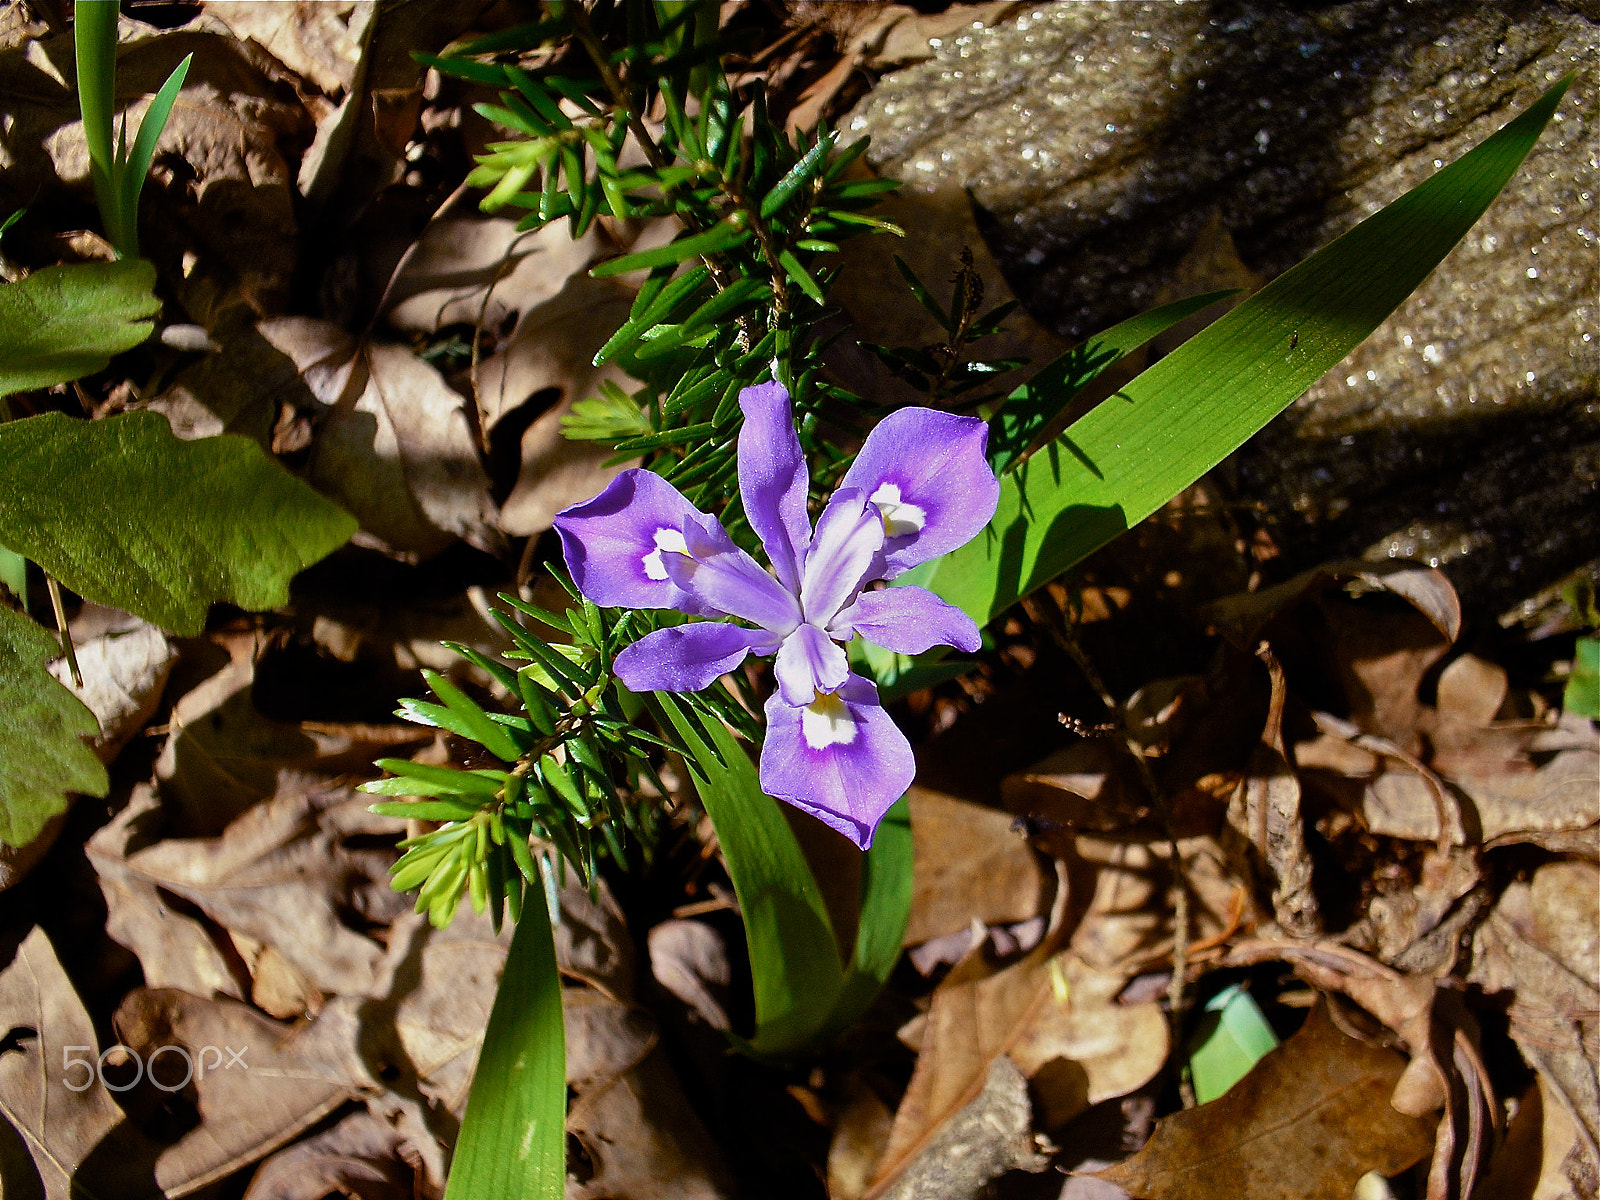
{"x": 809, "y": 662}
{"x": 907, "y": 620}
{"x": 733, "y": 583}
{"x": 848, "y": 538}
{"x": 773, "y": 479}
{"x": 841, "y": 758}
{"x": 614, "y": 544}
{"x": 929, "y": 476}
{"x": 688, "y": 657}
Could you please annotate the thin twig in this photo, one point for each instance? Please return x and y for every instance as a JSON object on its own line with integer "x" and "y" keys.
{"x": 652, "y": 151}
{"x": 1065, "y": 636}
{"x": 507, "y": 265}
{"x": 411, "y": 252}
{"x": 62, "y": 631}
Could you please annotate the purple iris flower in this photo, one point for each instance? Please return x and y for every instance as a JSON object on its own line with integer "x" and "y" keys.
{"x": 920, "y": 487}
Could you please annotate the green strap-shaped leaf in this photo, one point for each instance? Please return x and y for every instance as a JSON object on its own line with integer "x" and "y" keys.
{"x": 63, "y": 323}
{"x": 885, "y": 909}
{"x": 42, "y": 752}
{"x": 794, "y": 958}
{"x": 1177, "y": 420}
{"x": 513, "y": 1138}
{"x": 126, "y": 514}
{"x": 1037, "y": 402}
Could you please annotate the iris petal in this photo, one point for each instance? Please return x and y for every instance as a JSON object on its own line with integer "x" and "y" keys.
{"x": 809, "y": 662}
{"x": 732, "y": 583}
{"x": 613, "y": 544}
{"x": 848, "y": 538}
{"x": 932, "y": 471}
{"x": 688, "y": 657}
{"x": 907, "y": 620}
{"x": 773, "y": 480}
{"x": 845, "y": 765}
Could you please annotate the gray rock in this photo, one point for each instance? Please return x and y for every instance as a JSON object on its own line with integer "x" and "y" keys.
{"x": 1127, "y": 153}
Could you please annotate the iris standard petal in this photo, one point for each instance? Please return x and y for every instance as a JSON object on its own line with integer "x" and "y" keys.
{"x": 808, "y": 662}
{"x": 848, "y": 538}
{"x": 907, "y": 620}
{"x": 841, "y": 758}
{"x": 614, "y": 543}
{"x": 928, "y": 474}
{"x": 688, "y": 657}
{"x": 773, "y": 479}
{"x": 732, "y": 583}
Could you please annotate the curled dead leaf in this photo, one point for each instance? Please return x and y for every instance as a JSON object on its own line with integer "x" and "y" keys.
{"x": 1307, "y": 1122}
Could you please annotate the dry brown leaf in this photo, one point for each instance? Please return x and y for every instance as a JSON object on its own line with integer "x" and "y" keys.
{"x": 292, "y": 874}
{"x": 1082, "y": 1047}
{"x": 401, "y": 456}
{"x": 388, "y": 438}
{"x": 860, "y": 1136}
{"x": 1090, "y": 786}
{"x": 124, "y": 671}
{"x": 1509, "y": 781}
{"x": 360, "y": 148}
{"x": 1124, "y": 888}
{"x": 986, "y": 1138}
{"x": 690, "y": 960}
{"x": 1309, "y": 1120}
{"x": 268, "y": 372}
{"x": 968, "y": 864}
{"x": 175, "y": 948}
{"x": 406, "y": 1048}
{"x": 483, "y": 270}
{"x": 553, "y": 348}
{"x": 223, "y": 755}
{"x": 58, "y": 1141}
{"x": 974, "y": 1018}
{"x": 316, "y": 39}
{"x": 1241, "y": 618}
{"x": 1446, "y": 1069}
{"x": 642, "y": 1141}
{"x": 873, "y": 294}
{"x": 243, "y": 1107}
{"x": 1265, "y": 813}
{"x": 359, "y": 1157}
{"x": 1528, "y": 950}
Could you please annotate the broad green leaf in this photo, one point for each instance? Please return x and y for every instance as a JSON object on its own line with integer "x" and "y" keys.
{"x": 885, "y": 909}
{"x": 1582, "y": 693}
{"x": 794, "y": 958}
{"x": 42, "y": 752}
{"x": 513, "y": 1138}
{"x": 126, "y": 514}
{"x": 1162, "y": 431}
{"x": 1231, "y": 1038}
{"x": 63, "y": 323}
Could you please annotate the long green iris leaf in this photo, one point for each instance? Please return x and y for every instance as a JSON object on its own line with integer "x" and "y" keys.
{"x": 513, "y": 1139}
{"x": 1135, "y": 451}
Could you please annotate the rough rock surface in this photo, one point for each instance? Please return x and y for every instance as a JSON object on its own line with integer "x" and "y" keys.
{"x": 1127, "y": 153}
